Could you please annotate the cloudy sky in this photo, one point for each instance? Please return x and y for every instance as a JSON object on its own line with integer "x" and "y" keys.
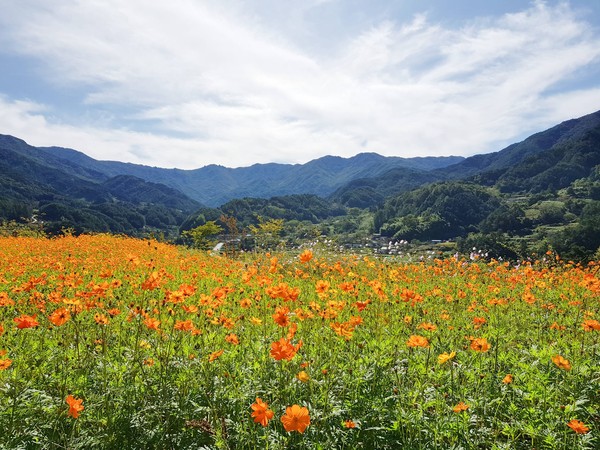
{"x": 186, "y": 83}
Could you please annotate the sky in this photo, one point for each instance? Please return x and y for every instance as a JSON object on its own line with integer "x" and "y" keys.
{"x": 188, "y": 83}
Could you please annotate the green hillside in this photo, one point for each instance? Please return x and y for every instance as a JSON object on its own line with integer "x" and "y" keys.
{"x": 539, "y": 194}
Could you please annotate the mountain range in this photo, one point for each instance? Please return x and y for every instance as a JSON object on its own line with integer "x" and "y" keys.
{"x": 70, "y": 189}
{"x": 214, "y": 185}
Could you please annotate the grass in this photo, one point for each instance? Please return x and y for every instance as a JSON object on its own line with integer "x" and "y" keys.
{"x": 170, "y": 348}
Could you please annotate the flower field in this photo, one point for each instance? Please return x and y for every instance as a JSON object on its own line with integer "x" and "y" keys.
{"x": 110, "y": 342}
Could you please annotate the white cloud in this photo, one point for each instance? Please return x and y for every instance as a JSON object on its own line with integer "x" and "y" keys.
{"x": 218, "y": 85}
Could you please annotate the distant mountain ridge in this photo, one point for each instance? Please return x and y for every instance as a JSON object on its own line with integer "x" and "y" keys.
{"x": 418, "y": 197}
{"x": 214, "y": 185}
{"x": 550, "y": 151}
{"x": 561, "y": 134}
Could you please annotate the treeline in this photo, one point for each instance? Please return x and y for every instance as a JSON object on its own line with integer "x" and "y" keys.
{"x": 248, "y": 211}
{"x": 436, "y": 211}
{"x": 510, "y": 226}
{"x": 372, "y": 192}
{"x": 83, "y": 217}
{"x": 119, "y": 217}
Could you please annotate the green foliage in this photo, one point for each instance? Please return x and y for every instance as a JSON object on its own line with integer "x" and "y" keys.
{"x": 371, "y": 192}
{"x": 202, "y": 236}
{"x": 508, "y": 217}
{"x": 14, "y": 209}
{"x": 437, "y": 211}
{"x": 534, "y": 189}
{"x": 267, "y": 232}
{"x": 292, "y": 207}
{"x": 423, "y": 227}
{"x": 556, "y": 168}
{"x": 30, "y": 228}
{"x": 491, "y": 245}
{"x": 582, "y": 241}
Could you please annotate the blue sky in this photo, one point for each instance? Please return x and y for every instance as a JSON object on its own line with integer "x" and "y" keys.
{"x": 186, "y": 83}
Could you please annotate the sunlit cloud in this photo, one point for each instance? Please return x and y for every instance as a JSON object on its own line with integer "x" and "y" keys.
{"x": 191, "y": 83}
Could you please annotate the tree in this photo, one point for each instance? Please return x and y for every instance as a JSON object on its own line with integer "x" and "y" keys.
{"x": 583, "y": 240}
{"x": 200, "y": 235}
{"x": 267, "y": 232}
{"x": 230, "y": 223}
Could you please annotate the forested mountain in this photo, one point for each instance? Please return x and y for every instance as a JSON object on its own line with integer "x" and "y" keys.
{"x": 541, "y": 192}
{"x": 69, "y": 189}
{"x": 63, "y": 195}
{"x": 371, "y": 192}
{"x": 569, "y": 151}
{"x": 214, "y": 185}
{"x": 247, "y": 211}
{"x": 436, "y": 211}
{"x": 561, "y": 135}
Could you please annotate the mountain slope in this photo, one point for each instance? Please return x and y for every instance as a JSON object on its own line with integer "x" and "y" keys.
{"x": 549, "y": 159}
{"x": 560, "y": 135}
{"x": 540, "y": 192}
{"x": 214, "y": 185}
{"x": 370, "y": 192}
{"x": 62, "y": 194}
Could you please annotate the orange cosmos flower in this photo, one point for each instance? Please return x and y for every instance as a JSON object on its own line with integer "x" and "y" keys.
{"x": 410, "y": 296}
{"x": 75, "y": 406}
{"x": 284, "y": 349}
{"x": 152, "y": 282}
{"x": 417, "y": 341}
{"x": 528, "y": 297}
{"x": 428, "y": 326}
{"x": 342, "y": 329}
{"x": 578, "y": 426}
{"x": 362, "y": 305}
{"x": 100, "y": 319}
{"x": 60, "y": 317}
{"x": 245, "y": 303}
{"x": 152, "y": 323}
{"x": 322, "y": 286}
{"x": 480, "y": 345}
{"x": 5, "y": 363}
{"x": 114, "y": 312}
{"x": 5, "y": 301}
{"x": 24, "y": 321}
{"x": 261, "y": 412}
{"x": 591, "y": 325}
{"x": 190, "y": 309}
{"x": 507, "y": 379}
{"x": 281, "y": 316}
{"x": 306, "y": 256}
{"x": 478, "y": 321}
{"x": 349, "y": 423}
{"x": 232, "y": 339}
{"x": 561, "y": 362}
{"x": 214, "y": 355}
{"x": 292, "y": 331}
{"x": 460, "y": 407}
{"x": 184, "y": 325}
{"x": 296, "y": 418}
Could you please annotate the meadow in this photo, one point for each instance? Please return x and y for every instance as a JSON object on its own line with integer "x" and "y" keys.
{"x": 113, "y": 342}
